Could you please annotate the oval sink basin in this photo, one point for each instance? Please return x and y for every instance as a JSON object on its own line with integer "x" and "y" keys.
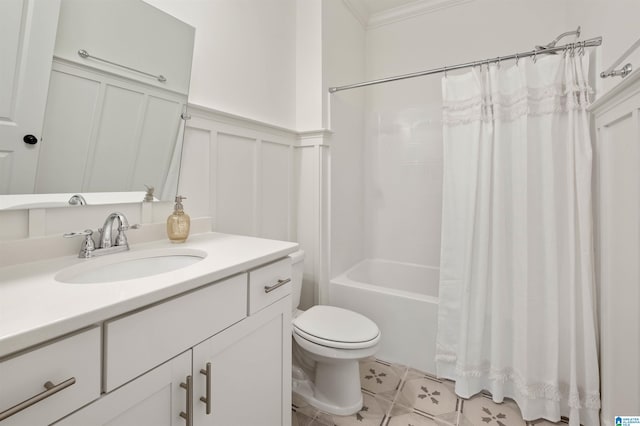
{"x": 129, "y": 266}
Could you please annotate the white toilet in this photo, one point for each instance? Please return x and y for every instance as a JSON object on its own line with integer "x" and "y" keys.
{"x": 328, "y": 343}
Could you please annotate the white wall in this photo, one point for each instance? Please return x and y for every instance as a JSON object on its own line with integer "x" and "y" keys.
{"x": 245, "y": 56}
{"x": 617, "y": 22}
{"x": 403, "y": 176}
{"x": 103, "y": 28}
{"x": 309, "y": 95}
{"x": 343, "y": 62}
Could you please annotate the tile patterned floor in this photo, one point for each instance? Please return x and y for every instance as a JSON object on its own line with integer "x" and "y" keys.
{"x": 395, "y": 395}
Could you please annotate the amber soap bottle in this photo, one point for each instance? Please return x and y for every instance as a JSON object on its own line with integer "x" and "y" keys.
{"x": 178, "y": 223}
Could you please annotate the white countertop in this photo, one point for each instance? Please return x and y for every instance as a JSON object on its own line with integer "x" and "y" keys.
{"x": 34, "y": 307}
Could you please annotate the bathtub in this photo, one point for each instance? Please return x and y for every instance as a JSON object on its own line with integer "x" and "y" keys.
{"x": 402, "y": 298}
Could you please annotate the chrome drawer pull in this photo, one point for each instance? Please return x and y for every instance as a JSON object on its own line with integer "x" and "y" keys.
{"x": 50, "y": 390}
{"x": 207, "y": 399}
{"x": 280, "y": 283}
{"x": 188, "y": 416}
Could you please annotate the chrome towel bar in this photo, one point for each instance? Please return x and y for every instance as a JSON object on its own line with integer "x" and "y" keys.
{"x": 84, "y": 54}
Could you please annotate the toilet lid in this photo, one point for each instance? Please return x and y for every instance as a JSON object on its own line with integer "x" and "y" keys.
{"x": 336, "y": 327}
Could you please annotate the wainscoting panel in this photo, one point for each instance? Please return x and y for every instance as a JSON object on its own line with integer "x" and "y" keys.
{"x": 236, "y": 185}
{"x": 66, "y": 147}
{"x": 250, "y": 174}
{"x": 275, "y": 189}
{"x": 617, "y": 208}
{"x": 195, "y": 173}
{"x": 96, "y": 120}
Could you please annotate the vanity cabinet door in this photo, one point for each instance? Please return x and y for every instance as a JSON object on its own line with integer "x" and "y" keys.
{"x": 250, "y": 371}
{"x": 154, "y": 399}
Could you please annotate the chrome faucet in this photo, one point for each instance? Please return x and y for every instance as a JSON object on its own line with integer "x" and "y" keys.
{"x": 107, "y": 231}
{"x": 77, "y": 200}
{"x": 106, "y": 244}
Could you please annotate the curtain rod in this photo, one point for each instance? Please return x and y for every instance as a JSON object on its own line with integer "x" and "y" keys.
{"x": 596, "y": 41}
{"x": 626, "y": 69}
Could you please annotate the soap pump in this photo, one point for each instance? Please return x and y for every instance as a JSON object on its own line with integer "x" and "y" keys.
{"x": 178, "y": 222}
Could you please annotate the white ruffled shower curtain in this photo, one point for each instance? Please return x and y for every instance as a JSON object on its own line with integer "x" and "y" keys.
{"x": 517, "y": 310}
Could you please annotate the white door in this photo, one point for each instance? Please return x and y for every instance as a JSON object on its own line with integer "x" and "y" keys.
{"x": 250, "y": 368}
{"x": 27, "y": 37}
{"x": 153, "y": 399}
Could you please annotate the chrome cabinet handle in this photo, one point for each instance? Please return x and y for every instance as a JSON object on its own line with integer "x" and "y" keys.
{"x": 207, "y": 399}
{"x": 51, "y": 389}
{"x": 188, "y": 416}
{"x": 280, "y": 283}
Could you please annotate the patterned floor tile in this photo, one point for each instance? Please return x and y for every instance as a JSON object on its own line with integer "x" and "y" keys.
{"x": 410, "y": 419}
{"x": 301, "y": 406}
{"x": 543, "y": 422}
{"x": 381, "y": 378}
{"x": 482, "y": 411}
{"x": 427, "y": 395}
{"x": 397, "y": 396}
{"x": 299, "y": 419}
{"x": 373, "y": 413}
{"x": 449, "y": 419}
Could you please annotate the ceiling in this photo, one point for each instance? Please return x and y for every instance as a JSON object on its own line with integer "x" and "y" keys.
{"x": 372, "y": 13}
{"x": 377, "y": 6}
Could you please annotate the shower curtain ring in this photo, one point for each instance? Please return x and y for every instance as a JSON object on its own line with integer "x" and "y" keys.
{"x": 445, "y": 71}
{"x": 535, "y": 56}
{"x": 517, "y": 59}
{"x": 498, "y": 61}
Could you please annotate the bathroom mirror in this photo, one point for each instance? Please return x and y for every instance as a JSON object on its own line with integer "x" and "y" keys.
{"x": 113, "y": 121}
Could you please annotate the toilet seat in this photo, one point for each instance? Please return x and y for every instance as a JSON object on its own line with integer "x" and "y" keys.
{"x": 335, "y": 327}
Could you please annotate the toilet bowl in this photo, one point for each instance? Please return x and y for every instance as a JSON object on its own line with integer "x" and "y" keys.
{"x": 329, "y": 341}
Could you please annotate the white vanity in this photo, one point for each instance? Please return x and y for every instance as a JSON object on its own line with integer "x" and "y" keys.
{"x": 205, "y": 344}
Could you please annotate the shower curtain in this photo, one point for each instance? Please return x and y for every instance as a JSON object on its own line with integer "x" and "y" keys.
{"x": 517, "y": 310}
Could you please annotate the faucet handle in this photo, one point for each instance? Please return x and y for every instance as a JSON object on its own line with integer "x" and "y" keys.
{"x": 87, "y": 246}
{"x": 88, "y": 232}
{"x": 121, "y": 238}
{"x": 127, "y": 227}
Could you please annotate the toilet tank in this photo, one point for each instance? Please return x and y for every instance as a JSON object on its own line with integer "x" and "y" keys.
{"x": 297, "y": 268}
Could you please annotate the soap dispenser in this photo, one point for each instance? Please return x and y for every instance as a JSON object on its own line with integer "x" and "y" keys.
{"x": 178, "y": 223}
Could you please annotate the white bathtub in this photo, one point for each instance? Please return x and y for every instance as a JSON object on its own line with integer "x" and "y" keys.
{"x": 402, "y": 298}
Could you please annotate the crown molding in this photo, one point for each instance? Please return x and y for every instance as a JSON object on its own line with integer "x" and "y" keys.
{"x": 358, "y": 10}
{"x": 410, "y": 10}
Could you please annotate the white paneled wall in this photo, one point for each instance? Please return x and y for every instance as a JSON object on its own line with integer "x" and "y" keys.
{"x": 617, "y": 208}
{"x": 275, "y": 193}
{"x": 239, "y": 176}
{"x": 240, "y": 173}
{"x": 236, "y": 183}
{"x": 116, "y": 121}
{"x": 255, "y": 179}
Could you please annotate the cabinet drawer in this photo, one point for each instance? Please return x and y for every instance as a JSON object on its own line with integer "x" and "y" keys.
{"x": 71, "y": 366}
{"x": 268, "y": 284}
{"x": 138, "y": 342}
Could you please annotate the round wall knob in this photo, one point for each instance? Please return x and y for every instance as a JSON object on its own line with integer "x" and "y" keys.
{"x": 30, "y": 139}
